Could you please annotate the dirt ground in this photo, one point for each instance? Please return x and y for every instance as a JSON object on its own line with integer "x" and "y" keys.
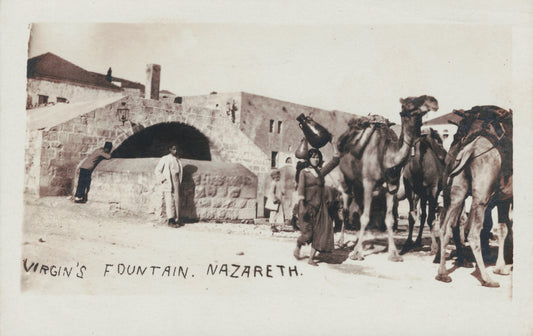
{"x": 243, "y": 277}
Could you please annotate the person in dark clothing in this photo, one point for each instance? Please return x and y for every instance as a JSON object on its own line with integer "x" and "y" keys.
{"x": 294, "y": 220}
{"x": 86, "y": 169}
{"x": 313, "y": 218}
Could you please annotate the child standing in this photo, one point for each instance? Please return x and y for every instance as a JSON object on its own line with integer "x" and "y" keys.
{"x": 274, "y": 204}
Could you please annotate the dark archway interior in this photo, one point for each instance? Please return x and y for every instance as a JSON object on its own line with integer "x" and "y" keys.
{"x": 155, "y": 140}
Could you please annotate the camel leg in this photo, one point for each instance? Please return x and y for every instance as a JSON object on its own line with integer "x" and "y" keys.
{"x": 389, "y": 221}
{"x": 345, "y": 215}
{"x": 365, "y": 219}
{"x": 485, "y": 235}
{"x": 477, "y": 214}
{"x": 433, "y": 204}
{"x": 501, "y": 232}
{"x": 503, "y": 210}
{"x": 458, "y": 192}
{"x": 483, "y": 177}
{"x": 413, "y": 215}
{"x": 462, "y": 225}
{"x": 460, "y": 248}
{"x": 423, "y": 216}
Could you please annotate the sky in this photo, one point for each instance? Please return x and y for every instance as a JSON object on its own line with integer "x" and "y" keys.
{"x": 359, "y": 69}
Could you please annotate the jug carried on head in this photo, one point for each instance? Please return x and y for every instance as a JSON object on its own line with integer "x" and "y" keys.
{"x": 316, "y": 134}
{"x": 303, "y": 150}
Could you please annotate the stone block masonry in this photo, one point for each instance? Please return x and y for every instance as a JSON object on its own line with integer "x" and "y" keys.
{"x": 130, "y": 184}
{"x": 59, "y": 149}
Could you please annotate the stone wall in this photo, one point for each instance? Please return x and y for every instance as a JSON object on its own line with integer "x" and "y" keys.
{"x": 253, "y": 114}
{"x": 258, "y": 111}
{"x": 249, "y": 142}
{"x": 32, "y": 160}
{"x": 72, "y": 92}
{"x": 228, "y": 104}
{"x": 209, "y": 191}
{"x": 65, "y": 145}
{"x": 224, "y": 137}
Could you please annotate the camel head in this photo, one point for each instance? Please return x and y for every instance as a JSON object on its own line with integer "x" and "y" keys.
{"x": 418, "y": 106}
{"x": 413, "y": 109}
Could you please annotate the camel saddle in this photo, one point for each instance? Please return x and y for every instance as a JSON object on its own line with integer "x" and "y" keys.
{"x": 359, "y": 133}
{"x": 491, "y": 122}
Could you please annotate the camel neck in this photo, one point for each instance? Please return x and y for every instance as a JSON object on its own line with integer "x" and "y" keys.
{"x": 399, "y": 152}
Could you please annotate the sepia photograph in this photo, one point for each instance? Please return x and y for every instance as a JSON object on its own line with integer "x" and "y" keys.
{"x": 262, "y": 177}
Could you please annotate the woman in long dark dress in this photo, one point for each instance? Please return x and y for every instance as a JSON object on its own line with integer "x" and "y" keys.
{"x": 315, "y": 224}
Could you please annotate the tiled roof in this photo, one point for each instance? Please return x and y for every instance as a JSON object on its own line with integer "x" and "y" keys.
{"x": 53, "y": 67}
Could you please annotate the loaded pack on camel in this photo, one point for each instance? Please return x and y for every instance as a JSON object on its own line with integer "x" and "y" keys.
{"x": 354, "y": 141}
{"x": 359, "y": 132}
{"x": 478, "y": 164}
{"x": 491, "y": 122}
{"x": 376, "y": 157}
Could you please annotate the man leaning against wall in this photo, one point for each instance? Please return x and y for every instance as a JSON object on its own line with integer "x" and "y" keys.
{"x": 86, "y": 169}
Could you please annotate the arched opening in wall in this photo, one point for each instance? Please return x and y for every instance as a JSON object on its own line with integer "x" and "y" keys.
{"x": 155, "y": 140}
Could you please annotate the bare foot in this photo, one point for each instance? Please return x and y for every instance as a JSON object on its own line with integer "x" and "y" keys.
{"x": 296, "y": 253}
{"x": 312, "y": 262}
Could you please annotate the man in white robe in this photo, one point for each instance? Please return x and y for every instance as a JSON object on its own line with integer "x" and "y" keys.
{"x": 169, "y": 173}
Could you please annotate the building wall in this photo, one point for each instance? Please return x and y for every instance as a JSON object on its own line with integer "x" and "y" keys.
{"x": 228, "y": 104}
{"x": 32, "y": 159}
{"x": 253, "y": 115}
{"x": 258, "y": 111}
{"x": 222, "y": 191}
{"x": 72, "y": 92}
{"x": 132, "y": 92}
{"x": 247, "y": 141}
{"x": 168, "y": 97}
{"x": 65, "y": 145}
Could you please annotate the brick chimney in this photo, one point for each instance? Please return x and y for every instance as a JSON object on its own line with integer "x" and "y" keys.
{"x": 153, "y": 76}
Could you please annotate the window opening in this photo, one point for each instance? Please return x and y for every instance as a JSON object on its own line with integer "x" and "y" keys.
{"x": 43, "y": 99}
{"x": 274, "y": 157}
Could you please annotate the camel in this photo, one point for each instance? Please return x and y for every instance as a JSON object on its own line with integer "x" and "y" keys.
{"x": 380, "y": 162}
{"x": 422, "y": 182}
{"x": 479, "y": 165}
